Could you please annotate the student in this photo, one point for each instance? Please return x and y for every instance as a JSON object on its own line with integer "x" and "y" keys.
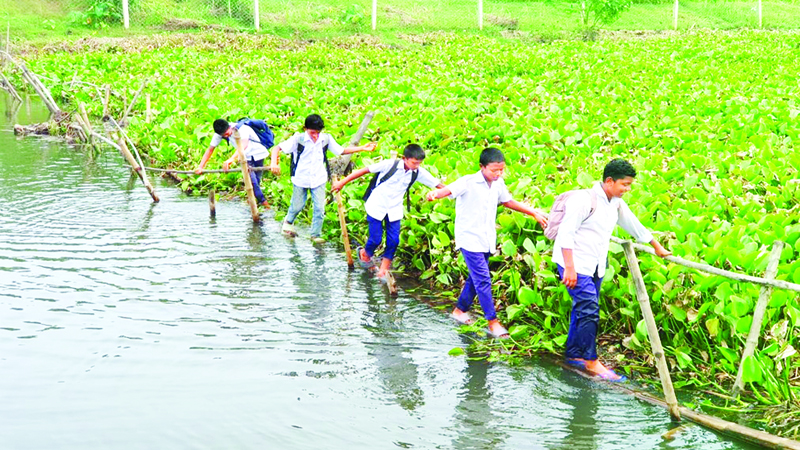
{"x": 242, "y": 139}
{"x": 477, "y": 197}
{"x": 310, "y": 171}
{"x": 393, "y": 178}
{"x": 580, "y": 251}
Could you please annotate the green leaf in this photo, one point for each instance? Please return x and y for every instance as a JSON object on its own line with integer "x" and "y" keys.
{"x": 729, "y": 354}
{"x": 585, "y": 179}
{"x": 751, "y": 370}
{"x": 456, "y": 351}
{"x": 526, "y": 296}
{"x": 677, "y": 313}
{"x": 509, "y": 248}
{"x": 712, "y": 325}
{"x": 641, "y": 331}
{"x": 529, "y": 246}
{"x": 513, "y": 311}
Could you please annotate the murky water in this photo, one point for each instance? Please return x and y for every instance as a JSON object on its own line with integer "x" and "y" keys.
{"x": 129, "y": 325}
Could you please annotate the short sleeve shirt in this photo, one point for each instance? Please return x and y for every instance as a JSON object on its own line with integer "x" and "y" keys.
{"x": 476, "y": 211}
{"x": 254, "y": 150}
{"x": 311, "y": 171}
{"x": 387, "y": 197}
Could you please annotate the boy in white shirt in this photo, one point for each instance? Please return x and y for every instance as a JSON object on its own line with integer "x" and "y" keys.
{"x": 477, "y": 197}
{"x": 240, "y": 138}
{"x": 580, "y": 251}
{"x": 310, "y": 170}
{"x": 393, "y": 178}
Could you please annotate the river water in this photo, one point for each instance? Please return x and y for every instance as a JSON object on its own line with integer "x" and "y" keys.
{"x": 131, "y": 325}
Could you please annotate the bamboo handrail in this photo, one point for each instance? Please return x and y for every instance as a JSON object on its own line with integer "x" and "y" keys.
{"x": 716, "y": 271}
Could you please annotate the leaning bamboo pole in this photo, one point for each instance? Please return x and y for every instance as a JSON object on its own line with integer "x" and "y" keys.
{"x": 212, "y": 205}
{"x": 715, "y": 271}
{"x": 133, "y": 101}
{"x": 248, "y": 185}
{"x": 758, "y": 314}
{"x": 652, "y": 330}
{"x": 339, "y": 165}
{"x": 41, "y": 91}
{"x": 10, "y": 88}
{"x": 132, "y": 161}
{"x": 343, "y": 225}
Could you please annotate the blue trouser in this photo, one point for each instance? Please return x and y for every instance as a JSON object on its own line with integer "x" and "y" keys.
{"x": 479, "y": 282}
{"x": 299, "y": 200}
{"x": 376, "y": 236}
{"x": 583, "y": 323}
{"x": 255, "y": 178}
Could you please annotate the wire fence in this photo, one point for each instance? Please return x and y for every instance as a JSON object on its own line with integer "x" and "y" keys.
{"x": 509, "y": 16}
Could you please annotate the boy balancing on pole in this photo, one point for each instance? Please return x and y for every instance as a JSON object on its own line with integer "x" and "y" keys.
{"x": 580, "y": 251}
{"x": 477, "y": 197}
{"x": 242, "y": 138}
{"x": 310, "y": 171}
{"x": 384, "y": 201}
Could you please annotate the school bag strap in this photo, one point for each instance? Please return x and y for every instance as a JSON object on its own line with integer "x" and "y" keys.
{"x": 262, "y": 130}
{"x": 300, "y": 149}
{"x": 389, "y": 174}
{"x": 559, "y": 209}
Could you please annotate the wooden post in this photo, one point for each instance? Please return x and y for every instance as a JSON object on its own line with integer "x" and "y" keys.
{"x": 82, "y": 110}
{"x": 343, "y": 225}
{"x": 147, "y": 116}
{"x": 248, "y": 188}
{"x": 480, "y": 14}
{"x": 256, "y": 18}
{"x": 652, "y": 330}
{"x": 123, "y": 147}
{"x": 10, "y": 88}
{"x": 212, "y": 203}
{"x": 339, "y": 164}
{"x": 758, "y": 314}
{"x": 760, "y": 23}
{"x": 33, "y": 80}
{"x": 374, "y": 15}
{"x": 675, "y": 15}
{"x": 106, "y": 100}
{"x": 133, "y": 102}
{"x": 126, "y": 20}
{"x": 584, "y": 18}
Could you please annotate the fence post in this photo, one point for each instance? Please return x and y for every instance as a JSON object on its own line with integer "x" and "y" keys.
{"x": 758, "y": 313}
{"x": 675, "y": 16}
{"x": 760, "y": 23}
{"x": 256, "y": 18}
{"x": 374, "y": 15}
{"x": 480, "y": 14}
{"x": 126, "y": 18}
{"x": 652, "y": 330}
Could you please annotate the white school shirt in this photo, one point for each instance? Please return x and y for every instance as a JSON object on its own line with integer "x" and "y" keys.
{"x": 253, "y": 150}
{"x": 476, "y": 211}
{"x": 387, "y": 197}
{"x": 310, "y": 172}
{"x": 589, "y": 238}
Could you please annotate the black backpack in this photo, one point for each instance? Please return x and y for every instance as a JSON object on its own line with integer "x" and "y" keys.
{"x": 375, "y": 181}
{"x": 296, "y": 158}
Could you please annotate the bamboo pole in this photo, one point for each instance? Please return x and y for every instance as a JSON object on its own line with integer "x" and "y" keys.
{"x": 132, "y": 161}
{"x": 256, "y": 18}
{"x": 135, "y": 151}
{"x": 480, "y": 14}
{"x": 106, "y": 99}
{"x": 343, "y": 225}
{"x": 248, "y": 187}
{"x": 675, "y": 15}
{"x": 126, "y": 19}
{"x": 10, "y": 88}
{"x": 133, "y": 101}
{"x": 758, "y": 314}
{"x": 82, "y": 110}
{"x": 212, "y": 206}
{"x": 652, "y": 330}
{"x": 339, "y": 164}
{"x": 41, "y": 91}
{"x": 374, "y": 15}
{"x": 715, "y": 271}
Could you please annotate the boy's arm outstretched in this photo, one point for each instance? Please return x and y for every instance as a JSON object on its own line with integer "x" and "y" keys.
{"x": 338, "y": 185}
{"x": 525, "y": 209}
{"x": 437, "y": 194}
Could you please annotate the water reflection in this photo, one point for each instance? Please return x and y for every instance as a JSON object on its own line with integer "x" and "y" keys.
{"x": 582, "y": 427}
{"x": 474, "y": 414}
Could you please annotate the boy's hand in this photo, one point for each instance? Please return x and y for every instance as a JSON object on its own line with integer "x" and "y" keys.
{"x": 198, "y": 171}
{"x": 275, "y": 169}
{"x": 227, "y": 164}
{"x": 541, "y": 218}
{"x": 431, "y": 196}
{"x": 570, "y": 278}
{"x": 336, "y": 186}
{"x": 369, "y": 146}
{"x": 660, "y": 250}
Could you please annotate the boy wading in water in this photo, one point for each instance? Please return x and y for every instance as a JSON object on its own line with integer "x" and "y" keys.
{"x": 243, "y": 139}
{"x": 384, "y": 205}
{"x": 477, "y": 197}
{"x": 310, "y": 171}
{"x": 580, "y": 251}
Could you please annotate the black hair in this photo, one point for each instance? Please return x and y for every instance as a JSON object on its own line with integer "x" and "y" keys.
{"x": 414, "y": 151}
{"x": 314, "y": 122}
{"x": 491, "y": 155}
{"x": 221, "y": 126}
{"x": 618, "y": 169}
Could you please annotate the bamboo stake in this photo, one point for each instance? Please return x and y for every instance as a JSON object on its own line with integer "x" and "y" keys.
{"x": 132, "y": 161}
{"x": 715, "y": 271}
{"x": 758, "y": 314}
{"x": 248, "y": 187}
{"x": 652, "y": 330}
{"x": 212, "y": 203}
{"x": 343, "y": 225}
{"x": 40, "y": 90}
{"x": 82, "y": 110}
{"x": 675, "y": 15}
{"x": 106, "y": 100}
{"x": 342, "y": 162}
{"x": 133, "y": 101}
{"x": 85, "y": 128}
{"x": 10, "y": 88}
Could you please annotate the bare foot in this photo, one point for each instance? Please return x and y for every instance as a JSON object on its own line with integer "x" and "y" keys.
{"x": 497, "y": 330}
{"x": 462, "y": 317}
{"x": 595, "y": 367}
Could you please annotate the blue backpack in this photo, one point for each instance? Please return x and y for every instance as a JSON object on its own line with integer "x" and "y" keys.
{"x": 265, "y": 136}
